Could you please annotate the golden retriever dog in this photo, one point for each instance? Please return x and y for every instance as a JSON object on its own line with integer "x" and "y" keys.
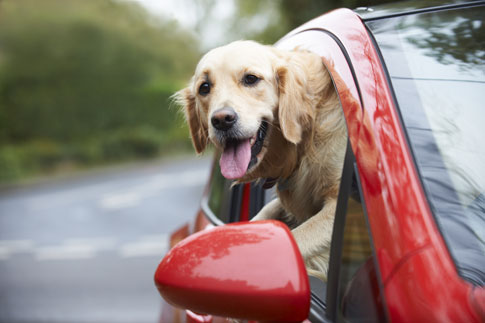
{"x": 276, "y": 117}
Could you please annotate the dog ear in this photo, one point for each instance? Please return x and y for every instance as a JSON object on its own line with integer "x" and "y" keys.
{"x": 295, "y": 100}
{"x": 198, "y": 130}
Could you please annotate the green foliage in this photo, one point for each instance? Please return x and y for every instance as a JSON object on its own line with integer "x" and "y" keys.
{"x": 131, "y": 143}
{"x": 86, "y": 82}
{"x": 28, "y": 159}
{"x": 47, "y": 156}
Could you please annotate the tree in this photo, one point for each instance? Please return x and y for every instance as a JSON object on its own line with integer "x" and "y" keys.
{"x": 87, "y": 81}
{"x": 70, "y": 69}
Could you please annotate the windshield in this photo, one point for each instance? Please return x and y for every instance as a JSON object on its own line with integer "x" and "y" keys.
{"x": 436, "y": 63}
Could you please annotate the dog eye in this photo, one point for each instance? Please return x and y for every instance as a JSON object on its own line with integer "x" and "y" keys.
{"x": 204, "y": 88}
{"x": 250, "y": 79}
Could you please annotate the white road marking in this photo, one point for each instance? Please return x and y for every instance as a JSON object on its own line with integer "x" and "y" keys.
{"x": 134, "y": 195}
{"x": 75, "y": 249}
{"x": 86, "y": 248}
{"x": 9, "y": 247}
{"x": 64, "y": 252}
{"x": 145, "y": 246}
{"x": 70, "y": 195}
{"x": 120, "y": 201}
{"x": 155, "y": 245}
{"x": 99, "y": 243}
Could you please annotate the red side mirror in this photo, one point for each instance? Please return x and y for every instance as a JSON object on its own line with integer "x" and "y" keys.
{"x": 245, "y": 270}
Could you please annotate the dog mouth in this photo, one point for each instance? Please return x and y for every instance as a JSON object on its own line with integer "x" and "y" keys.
{"x": 241, "y": 155}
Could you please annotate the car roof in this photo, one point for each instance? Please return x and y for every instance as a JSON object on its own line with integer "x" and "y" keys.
{"x": 409, "y": 7}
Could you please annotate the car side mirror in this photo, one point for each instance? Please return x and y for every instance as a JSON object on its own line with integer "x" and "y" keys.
{"x": 250, "y": 270}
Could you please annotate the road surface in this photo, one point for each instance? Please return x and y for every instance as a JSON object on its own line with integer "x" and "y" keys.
{"x": 85, "y": 249}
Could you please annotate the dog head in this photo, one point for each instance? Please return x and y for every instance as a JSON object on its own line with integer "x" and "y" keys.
{"x": 243, "y": 96}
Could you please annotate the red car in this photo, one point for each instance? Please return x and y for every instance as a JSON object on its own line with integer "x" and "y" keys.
{"x": 409, "y": 234}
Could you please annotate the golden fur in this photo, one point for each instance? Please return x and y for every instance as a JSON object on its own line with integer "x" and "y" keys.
{"x": 305, "y": 144}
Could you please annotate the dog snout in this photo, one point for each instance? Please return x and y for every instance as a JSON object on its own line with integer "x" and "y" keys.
{"x": 223, "y": 119}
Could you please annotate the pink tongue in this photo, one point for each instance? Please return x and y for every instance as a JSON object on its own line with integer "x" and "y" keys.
{"x": 235, "y": 160}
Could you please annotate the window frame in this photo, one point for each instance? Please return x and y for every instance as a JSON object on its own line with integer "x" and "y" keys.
{"x": 204, "y": 203}
{"x": 349, "y": 183}
{"x": 236, "y": 203}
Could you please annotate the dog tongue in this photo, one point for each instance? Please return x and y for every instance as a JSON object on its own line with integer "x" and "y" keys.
{"x": 235, "y": 159}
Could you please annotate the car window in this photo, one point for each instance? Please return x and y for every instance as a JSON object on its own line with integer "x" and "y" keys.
{"x": 219, "y": 195}
{"x": 227, "y": 202}
{"x": 436, "y": 64}
{"x": 354, "y": 287}
{"x": 359, "y": 296}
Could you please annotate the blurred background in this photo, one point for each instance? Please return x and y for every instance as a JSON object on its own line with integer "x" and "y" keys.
{"x": 96, "y": 165}
{"x": 87, "y": 83}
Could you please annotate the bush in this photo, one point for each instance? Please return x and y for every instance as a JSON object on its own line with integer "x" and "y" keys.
{"x": 30, "y": 158}
{"x": 40, "y": 154}
{"x": 141, "y": 142}
{"x": 87, "y": 82}
{"x": 10, "y": 168}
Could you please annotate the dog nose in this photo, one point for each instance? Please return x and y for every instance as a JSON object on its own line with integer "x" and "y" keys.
{"x": 223, "y": 119}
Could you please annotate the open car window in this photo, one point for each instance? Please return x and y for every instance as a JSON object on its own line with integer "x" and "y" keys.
{"x": 218, "y": 198}
{"x": 359, "y": 293}
{"x": 354, "y": 292}
{"x": 226, "y": 202}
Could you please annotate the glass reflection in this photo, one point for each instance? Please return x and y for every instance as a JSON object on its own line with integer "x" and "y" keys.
{"x": 452, "y": 38}
{"x": 436, "y": 65}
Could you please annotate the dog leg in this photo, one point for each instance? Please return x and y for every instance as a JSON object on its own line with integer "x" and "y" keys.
{"x": 271, "y": 211}
{"x": 317, "y": 229}
{"x": 274, "y": 210}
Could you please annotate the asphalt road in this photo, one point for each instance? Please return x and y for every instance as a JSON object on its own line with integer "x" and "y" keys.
{"x": 85, "y": 249}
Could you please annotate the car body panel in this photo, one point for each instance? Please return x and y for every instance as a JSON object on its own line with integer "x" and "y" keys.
{"x": 414, "y": 296}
